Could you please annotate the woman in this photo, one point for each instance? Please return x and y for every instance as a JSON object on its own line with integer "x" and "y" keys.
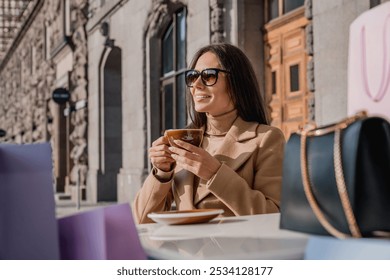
{"x": 238, "y": 167}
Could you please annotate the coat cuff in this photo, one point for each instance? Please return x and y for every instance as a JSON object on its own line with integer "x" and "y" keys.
{"x": 162, "y": 176}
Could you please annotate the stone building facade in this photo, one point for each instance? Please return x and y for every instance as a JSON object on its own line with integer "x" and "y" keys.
{"x": 49, "y": 52}
{"x": 122, "y": 62}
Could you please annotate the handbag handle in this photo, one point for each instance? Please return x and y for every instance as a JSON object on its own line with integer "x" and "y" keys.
{"x": 339, "y": 174}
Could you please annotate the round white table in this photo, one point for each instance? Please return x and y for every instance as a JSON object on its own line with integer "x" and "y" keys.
{"x": 243, "y": 237}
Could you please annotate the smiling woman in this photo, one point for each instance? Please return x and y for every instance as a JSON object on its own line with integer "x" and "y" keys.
{"x": 238, "y": 166}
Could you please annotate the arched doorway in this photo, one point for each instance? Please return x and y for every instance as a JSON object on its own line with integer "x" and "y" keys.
{"x": 110, "y": 124}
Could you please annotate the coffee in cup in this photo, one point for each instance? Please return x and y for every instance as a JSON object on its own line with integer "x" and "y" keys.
{"x": 193, "y": 136}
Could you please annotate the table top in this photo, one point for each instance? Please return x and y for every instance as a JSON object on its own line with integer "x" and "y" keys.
{"x": 242, "y": 237}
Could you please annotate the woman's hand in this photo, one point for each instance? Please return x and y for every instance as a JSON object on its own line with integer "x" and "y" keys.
{"x": 160, "y": 155}
{"x": 195, "y": 160}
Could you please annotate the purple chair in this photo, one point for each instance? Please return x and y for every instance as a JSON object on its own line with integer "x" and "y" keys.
{"x": 100, "y": 234}
{"x": 28, "y": 226}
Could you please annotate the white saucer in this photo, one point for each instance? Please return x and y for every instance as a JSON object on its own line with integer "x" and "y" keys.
{"x": 185, "y": 217}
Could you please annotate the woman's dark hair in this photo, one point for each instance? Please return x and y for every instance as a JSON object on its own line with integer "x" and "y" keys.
{"x": 241, "y": 82}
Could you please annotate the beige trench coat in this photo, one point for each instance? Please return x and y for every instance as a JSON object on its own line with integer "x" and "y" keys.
{"x": 248, "y": 181}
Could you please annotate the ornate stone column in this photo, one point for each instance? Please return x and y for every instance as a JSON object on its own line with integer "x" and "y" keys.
{"x": 310, "y": 62}
{"x": 217, "y": 21}
{"x": 78, "y": 89}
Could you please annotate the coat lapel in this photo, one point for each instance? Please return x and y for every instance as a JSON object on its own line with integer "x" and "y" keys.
{"x": 234, "y": 151}
{"x": 184, "y": 188}
{"x": 236, "y": 147}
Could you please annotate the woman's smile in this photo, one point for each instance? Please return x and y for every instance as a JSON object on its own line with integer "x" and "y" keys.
{"x": 201, "y": 96}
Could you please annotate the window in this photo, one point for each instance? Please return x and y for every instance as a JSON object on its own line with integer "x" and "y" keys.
{"x": 273, "y": 83}
{"x": 173, "y": 90}
{"x": 273, "y": 9}
{"x": 277, "y": 8}
{"x": 374, "y": 3}
{"x": 289, "y": 5}
{"x": 294, "y": 77}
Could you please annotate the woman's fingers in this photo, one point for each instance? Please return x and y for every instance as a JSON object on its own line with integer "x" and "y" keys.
{"x": 162, "y": 162}
{"x": 160, "y": 141}
{"x": 183, "y": 153}
{"x": 195, "y": 160}
{"x": 188, "y": 147}
{"x": 160, "y": 155}
{"x": 159, "y": 152}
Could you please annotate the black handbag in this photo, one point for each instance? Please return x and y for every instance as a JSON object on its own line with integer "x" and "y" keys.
{"x": 336, "y": 179}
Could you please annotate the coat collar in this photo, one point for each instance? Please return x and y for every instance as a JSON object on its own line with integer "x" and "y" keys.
{"x": 242, "y": 130}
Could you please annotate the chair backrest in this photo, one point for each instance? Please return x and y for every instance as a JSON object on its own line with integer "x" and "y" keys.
{"x": 103, "y": 233}
{"x": 369, "y": 62}
{"x": 28, "y": 226}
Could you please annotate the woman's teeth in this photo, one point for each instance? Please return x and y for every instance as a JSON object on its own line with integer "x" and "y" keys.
{"x": 202, "y": 96}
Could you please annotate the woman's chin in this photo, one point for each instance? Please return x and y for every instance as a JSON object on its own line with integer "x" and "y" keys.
{"x": 201, "y": 109}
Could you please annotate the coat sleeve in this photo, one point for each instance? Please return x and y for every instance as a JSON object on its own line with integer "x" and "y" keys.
{"x": 262, "y": 193}
{"x": 155, "y": 195}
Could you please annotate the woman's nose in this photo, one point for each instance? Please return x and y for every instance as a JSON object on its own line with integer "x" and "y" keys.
{"x": 198, "y": 82}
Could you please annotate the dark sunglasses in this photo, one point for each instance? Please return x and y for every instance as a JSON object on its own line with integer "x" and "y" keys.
{"x": 208, "y": 76}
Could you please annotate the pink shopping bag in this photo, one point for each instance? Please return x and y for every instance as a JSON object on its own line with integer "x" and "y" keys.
{"x": 369, "y": 62}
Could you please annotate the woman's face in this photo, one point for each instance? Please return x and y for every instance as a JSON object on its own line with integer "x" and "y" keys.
{"x": 215, "y": 99}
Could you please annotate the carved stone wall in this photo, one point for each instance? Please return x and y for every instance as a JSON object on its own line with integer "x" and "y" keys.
{"x": 160, "y": 15}
{"x": 28, "y": 78}
{"x": 25, "y": 84}
{"x": 55, "y": 22}
{"x": 78, "y": 90}
{"x": 310, "y": 62}
{"x": 156, "y": 17}
{"x": 217, "y": 21}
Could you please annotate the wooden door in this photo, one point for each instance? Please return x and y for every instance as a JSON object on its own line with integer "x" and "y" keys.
{"x": 285, "y": 73}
